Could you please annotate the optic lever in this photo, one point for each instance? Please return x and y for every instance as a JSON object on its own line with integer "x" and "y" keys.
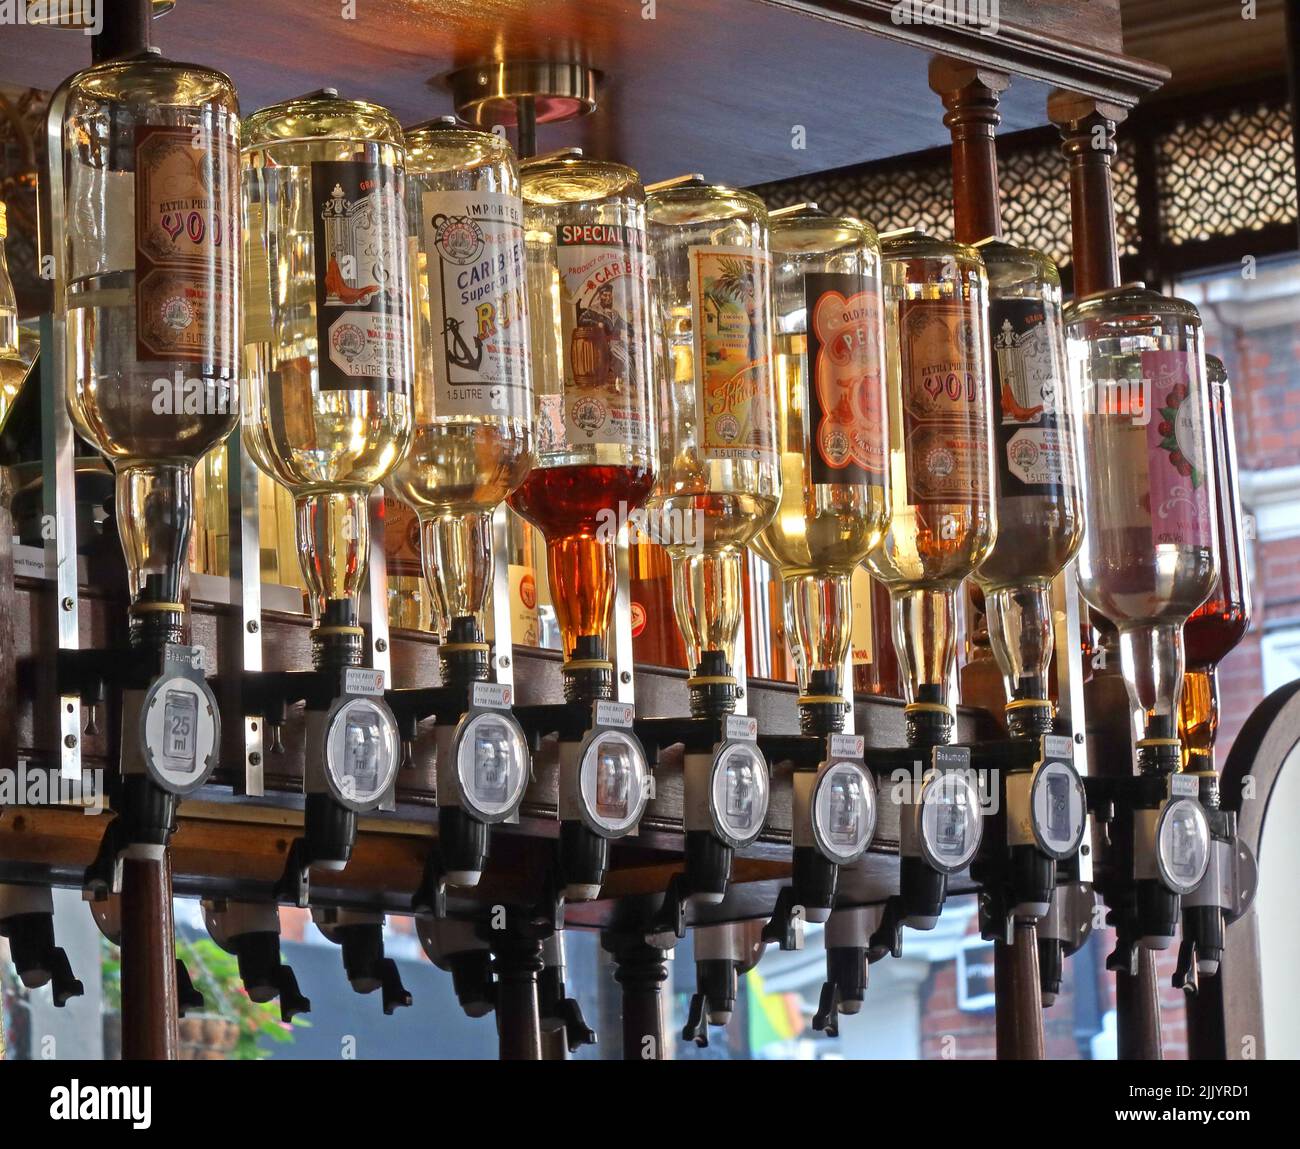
{"x": 361, "y": 935}
{"x": 27, "y": 920}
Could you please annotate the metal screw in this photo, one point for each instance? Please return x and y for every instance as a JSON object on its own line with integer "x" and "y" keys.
{"x": 740, "y": 692}
{"x": 1085, "y": 849}
{"x": 482, "y": 78}
{"x": 504, "y": 662}
{"x": 252, "y": 626}
{"x": 255, "y": 759}
{"x": 1079, "y": 737}
{"x": 381, "y": 645}
{"x": 625, "y": 677}
{"x": 67, "y": 603}
{"x": 70, "y": 741}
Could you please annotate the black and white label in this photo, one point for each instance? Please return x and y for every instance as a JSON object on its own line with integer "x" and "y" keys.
{"x": 1027, "y": 384}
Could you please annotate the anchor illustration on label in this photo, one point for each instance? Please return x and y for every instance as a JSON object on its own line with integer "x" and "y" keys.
{"x": 458, "y": 352}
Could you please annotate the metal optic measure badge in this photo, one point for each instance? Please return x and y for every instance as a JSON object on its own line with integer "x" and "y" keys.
{"x": 180, "y": 724}
{"x": 1182, "y": 838}
{"x": 843, "y": 803}
{"x": 739, "y": 790}
{"x": 1057, "y": 801}
{"x": 358, "y": 742}
{"x": 613, "y": 775}
{"x": 490, "y": 755}
{"x": 949, "y": 825}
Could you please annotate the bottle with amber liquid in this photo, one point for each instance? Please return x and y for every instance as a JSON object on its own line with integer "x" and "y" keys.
{"x": 329, "y": 342}
{"x": 833, "y": 439}
{"x": 719, "y": 481}
{"x": 1039, "y": 503}
{"x": 596, "y": 451}
{"x": 1218, "y": 625}
{"x": 473, "y": 395}
{"x": 875, "y": 663}
{"x": 943, "y": 521}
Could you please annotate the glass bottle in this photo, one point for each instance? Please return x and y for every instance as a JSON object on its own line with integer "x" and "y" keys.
{"x": 656, "y": 637}
{"x": 875, "y": 665}
{"x": 1215, "y": 628}
{"x": 410, "y": 600}
{"x": 1039, "y": 512}
{"x": 473, "y": 387}
{"x": 832, "y": 436}
{"x": 944, "y": 515}
{"x": 719, "y": 482}
{"x": 152, "y": 262}
{"x": 12, "y": 368}
{"x": 328, "y": 331}
{"x": 596, "y": 448}
{"x": 1150, "y": 557}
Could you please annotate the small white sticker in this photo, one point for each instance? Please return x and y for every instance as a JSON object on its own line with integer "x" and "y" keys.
{"x": 1058, "y": 746}
{"x": 1183, "y": 786}
{"x": 363, "y": 680}
{"x": 741, "y": 728}
{"x": 848, "y": 746}
{"x": 616, "y": 714}
{"x": 491, "y": 696}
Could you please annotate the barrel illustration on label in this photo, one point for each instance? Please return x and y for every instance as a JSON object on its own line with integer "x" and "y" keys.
{"x": 476, "y": 299}
{"x": 361, "y": 273}
{"x": 732, "y": 368}
{"x": 602, "y": 268}
{"x": 186, "y": 229}
{"x": 1025, "y": 395}
{"x": 1176, "y": 453}
{"x": 941, "y": 361}
{"x": 846, "y": 393}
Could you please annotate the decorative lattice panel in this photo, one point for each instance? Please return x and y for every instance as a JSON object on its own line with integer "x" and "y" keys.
{"x": 1036, "y": 198}
{"x": 1226, "y": 172}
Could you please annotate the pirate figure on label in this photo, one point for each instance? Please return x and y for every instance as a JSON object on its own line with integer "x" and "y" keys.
{"x": 600, "y": 324}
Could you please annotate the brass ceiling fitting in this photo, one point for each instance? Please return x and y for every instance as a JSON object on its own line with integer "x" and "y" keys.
{"x": 491, "y": 94}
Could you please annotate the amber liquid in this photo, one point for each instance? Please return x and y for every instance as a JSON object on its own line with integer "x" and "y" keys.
{"x": 656, "y": 637}
{"x": 570, "y": 505}
{"x": 878, "y": 674}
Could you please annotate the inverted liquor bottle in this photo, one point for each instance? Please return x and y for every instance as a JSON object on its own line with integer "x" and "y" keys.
{"x": 152, "y": 267}
{"x": 719, "y": 482}
{"x": 943, "y": 521}
{"x": 1149, "y": 559}
{"x": 1150, "y": 556}
{"x": 473, "y": 384}
{"x": 832, "y": 434}
{"x": 328, "y": 332}
{"x": 1215, "y": 628}
{"x": 1039, "y": 505}
{"x": 12, "y": 367}
{"x": 596, "y": 451}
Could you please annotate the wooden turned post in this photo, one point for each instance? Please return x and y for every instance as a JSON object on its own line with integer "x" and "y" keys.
{"x": 518, "y": 963}
{"x": 1088, "y": 142}
{"x": 640, "y": 970}
{"x": 971, "y": 94}
{"x": 149, "y": 1004}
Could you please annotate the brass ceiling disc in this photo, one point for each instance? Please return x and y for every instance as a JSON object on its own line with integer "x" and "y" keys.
{"x": 486, "y": 95}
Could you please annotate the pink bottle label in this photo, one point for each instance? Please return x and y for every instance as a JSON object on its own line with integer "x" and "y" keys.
{"x": 1177, "y": 460}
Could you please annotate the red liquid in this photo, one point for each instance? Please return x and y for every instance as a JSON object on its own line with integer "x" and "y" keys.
{"x": 569, "y": 505}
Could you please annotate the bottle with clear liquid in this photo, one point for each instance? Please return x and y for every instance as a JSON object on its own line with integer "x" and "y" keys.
{"x": 328, "y": 330}
{"x": 596, "y": 450}
{"x": 12, "y": 368}
{"x": 832, "y": 435}
{"x": 1039, "y": 503}
{"x": 151, "y": 264}
{"x": 472, "y": 437}
{"x": 1150, "y": 557}
{"x": 943, "y": 518}
{"x": 1215, "y": 628}
{"x": 719, "y": 480}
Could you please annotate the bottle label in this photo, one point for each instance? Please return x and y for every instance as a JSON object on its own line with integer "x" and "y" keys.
{"x": 474, "y": 244}
{"x": 730, "y": 298}
{"x": 861, "y": 628}
{"x": 361, "y": 266}
{"x": 186, "y": 246}
{"x": 943, "y": 424}
{"x": 603, "y": 278}
{"x": 401, "y": 539}
{"x": 1032, "y": 446}
{"x": 523, "y": 606}
{"x": 846, "y": 390}
{"x": 1177, "y": 458}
